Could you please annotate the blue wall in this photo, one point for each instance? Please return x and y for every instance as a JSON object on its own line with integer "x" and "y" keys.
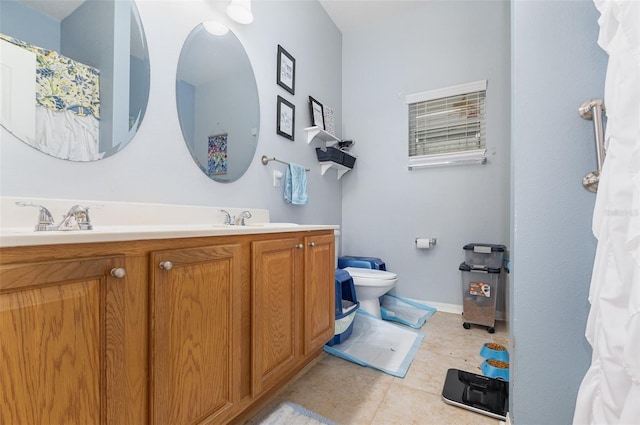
{"x": 157, "y": 166}
{"x": 29, "y": 25}
{"x": 556, "y": 65}
{"x": 385, "y": 206}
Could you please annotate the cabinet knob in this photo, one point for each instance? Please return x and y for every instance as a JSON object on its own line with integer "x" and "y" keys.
{"x": 166, "y": 265}
{"x": 299, "y": 246}
{"x": 118, "y": 272}
{"x": 312, "y": 244}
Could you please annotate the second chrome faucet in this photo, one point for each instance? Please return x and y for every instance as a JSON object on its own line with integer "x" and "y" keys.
{"x": 237, "y": 220}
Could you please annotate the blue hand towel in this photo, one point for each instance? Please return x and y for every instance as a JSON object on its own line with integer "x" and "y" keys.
{"x": 295, "y": 185}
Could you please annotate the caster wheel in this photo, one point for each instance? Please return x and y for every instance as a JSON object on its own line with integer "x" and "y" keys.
{"x": 466, "y": 325}
{"x": 491, "y": 330}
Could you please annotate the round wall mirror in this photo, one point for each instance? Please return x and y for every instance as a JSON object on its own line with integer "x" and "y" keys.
{"x": 218, "y": 105}
{"x": 75, "y": 75}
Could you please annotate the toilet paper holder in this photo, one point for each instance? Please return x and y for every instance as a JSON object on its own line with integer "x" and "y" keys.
{"x": 425, "y": 243}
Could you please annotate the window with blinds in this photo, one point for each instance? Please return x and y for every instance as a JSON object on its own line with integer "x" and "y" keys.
{"x": 447, "y": 126}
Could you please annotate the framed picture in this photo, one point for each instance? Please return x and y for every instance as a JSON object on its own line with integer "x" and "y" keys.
{"x": 286, "y": 70}
{"x": 286, "y": 118}
{"x": 217, "y": 155}
{"x": 317, "y": 113}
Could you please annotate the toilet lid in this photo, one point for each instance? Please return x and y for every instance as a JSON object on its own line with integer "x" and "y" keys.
{"x": 370, "y": 273}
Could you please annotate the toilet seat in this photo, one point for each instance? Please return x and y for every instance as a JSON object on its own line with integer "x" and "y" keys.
{"x": 370, "y": 277}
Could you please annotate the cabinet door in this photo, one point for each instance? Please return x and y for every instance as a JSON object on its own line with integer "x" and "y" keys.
{"x": 276, "y": 293}
{"x": 319, "y": 291}
{"x": 61, "y": 342}
{"x": 195, "y": 328}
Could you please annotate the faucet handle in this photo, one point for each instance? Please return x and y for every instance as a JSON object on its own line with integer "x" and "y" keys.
{"x": 78, "y": 218}
{"x": 227, "y": 217}
{"x": 242, "y": 216}
{"x": 45, "y": 218}
{"x": 87, "y": 219}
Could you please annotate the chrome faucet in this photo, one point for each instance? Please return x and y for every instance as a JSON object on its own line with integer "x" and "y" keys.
{"x": 235, "y": 221}
{"x": 76, "y": 219}
{"x": 45, "y": 218}
{"x": 240, "y": 218}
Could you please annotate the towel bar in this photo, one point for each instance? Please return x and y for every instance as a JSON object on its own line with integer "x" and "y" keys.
{"x": 265, "y": 160}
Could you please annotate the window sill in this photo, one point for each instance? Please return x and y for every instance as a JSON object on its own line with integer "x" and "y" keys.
{"x": 448, "y": 159}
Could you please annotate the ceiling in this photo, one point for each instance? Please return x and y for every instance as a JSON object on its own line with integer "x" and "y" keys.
{"x": 352, "y": 14}
{"x": 56, "y": 9}
{"x": 347, "y": 14}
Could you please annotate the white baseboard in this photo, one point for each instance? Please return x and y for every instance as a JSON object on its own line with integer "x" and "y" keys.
{"x": 444, "y": 307}
{"x": 453, "y": 308}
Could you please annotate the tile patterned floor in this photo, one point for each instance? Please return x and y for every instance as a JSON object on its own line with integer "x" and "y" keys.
{"x": 349, "y": 394}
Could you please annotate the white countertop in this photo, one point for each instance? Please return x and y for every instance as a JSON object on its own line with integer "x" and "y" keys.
{"x": 142, "y": 222}
{"x": 29, "y": 237}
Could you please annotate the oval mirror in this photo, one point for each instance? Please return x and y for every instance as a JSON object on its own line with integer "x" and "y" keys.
{"x": 218, "y": 105}
{"x": 75, "y": 75}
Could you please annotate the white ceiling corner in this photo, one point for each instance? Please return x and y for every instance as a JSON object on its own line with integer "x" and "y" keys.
{"x": 352, "y": 14}
{"x": 56, "y": 9}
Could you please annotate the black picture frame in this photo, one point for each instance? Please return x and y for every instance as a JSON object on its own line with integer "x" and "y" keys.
{"x": 286, "y": 77}
{"x": 286, "y": 118}
{"x": 317, "y": 113}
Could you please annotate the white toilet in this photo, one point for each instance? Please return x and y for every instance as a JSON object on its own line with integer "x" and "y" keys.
{"x": 370, "y": 285}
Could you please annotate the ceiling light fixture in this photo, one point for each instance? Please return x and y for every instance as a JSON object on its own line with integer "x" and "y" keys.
{"x": 215, "y": 27}
{"x": 240, "y": 11}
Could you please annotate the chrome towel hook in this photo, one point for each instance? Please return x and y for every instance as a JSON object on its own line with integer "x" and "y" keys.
{"x": 593, "y": 109}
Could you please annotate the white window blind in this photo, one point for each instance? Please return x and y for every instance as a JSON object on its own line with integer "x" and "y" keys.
{"x": 447, "y": 125}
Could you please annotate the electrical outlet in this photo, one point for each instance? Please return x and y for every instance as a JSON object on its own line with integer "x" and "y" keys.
{"x": 277, "y": 178}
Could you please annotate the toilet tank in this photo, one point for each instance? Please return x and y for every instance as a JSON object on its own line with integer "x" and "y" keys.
{"x": 361, "y": 262}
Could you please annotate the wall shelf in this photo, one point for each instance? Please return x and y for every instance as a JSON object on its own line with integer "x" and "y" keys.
{"x": 317, "y": 132}
{"x": 341, "y": 169}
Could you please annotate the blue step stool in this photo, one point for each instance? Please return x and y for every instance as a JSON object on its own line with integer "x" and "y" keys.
{"x": 361, "y": 262}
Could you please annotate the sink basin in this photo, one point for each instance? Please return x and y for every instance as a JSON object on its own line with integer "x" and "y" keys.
{"x": 16, "y": 230}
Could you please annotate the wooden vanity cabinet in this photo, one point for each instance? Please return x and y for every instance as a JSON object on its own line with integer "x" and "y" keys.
{"x": 293, "y": 304}
{"x": 195, "y": 334}
{"x": 72, "y": 337}
{"x": 276, "y": 292}
{"x": 319, "y": 292}
{"x": 197, "y": 331}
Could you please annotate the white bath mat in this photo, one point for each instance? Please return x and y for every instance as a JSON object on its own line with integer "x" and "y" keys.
{"x": 379, "y": 344}
{"x": 289, "y": 413}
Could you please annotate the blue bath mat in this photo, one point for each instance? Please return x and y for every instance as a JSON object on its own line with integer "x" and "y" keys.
{"x": 379, "y": 345}
{"x": 405, "y": 311}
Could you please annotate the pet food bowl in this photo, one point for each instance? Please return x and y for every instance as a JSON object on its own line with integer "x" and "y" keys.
{"x": 493, "y": 368}
{"x": 491, "y": 350}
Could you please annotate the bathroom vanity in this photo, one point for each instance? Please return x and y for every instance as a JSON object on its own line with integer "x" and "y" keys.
{"x": 200, "y": 328}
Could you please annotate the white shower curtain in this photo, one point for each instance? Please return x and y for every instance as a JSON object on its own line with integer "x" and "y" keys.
{"x": 610, "y": 390}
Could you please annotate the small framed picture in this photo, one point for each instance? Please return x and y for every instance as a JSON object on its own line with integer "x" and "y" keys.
{"x": 286, "y": 118}
{"x": 317, "y": 113}
{"x": 286, "y": 70}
